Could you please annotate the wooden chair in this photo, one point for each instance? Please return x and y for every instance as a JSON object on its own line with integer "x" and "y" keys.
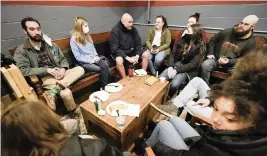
{"x": 149, "y": 152}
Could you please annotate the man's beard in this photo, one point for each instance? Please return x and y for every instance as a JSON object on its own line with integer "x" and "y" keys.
{"x": 36, "y": 38}
{"x": 240, "y": 34}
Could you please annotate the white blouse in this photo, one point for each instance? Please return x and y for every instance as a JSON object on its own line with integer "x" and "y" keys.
{"x": 157, "y": 39}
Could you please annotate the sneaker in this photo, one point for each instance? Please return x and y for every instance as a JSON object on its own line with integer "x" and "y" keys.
{"x": 77, "y": 114}
{"x": 51, "y": 99}
{"x": 169, "y": 108}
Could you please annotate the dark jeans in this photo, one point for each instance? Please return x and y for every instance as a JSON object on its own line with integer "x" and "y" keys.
{"x": 210, "y": 65}
{"x": 102, "y": 68}
{"x": 176, "y": 81}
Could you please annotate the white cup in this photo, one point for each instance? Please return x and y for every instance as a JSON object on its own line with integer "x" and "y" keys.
{"x": 162, "y": 79}
{"x": 120, "y": 121}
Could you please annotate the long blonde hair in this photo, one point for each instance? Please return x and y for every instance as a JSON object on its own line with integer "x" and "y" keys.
{"x": 77, "y": 31}
{"x": 30, "y": 128}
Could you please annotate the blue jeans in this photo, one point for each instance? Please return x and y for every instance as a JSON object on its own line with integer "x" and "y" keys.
{"x": 159, "y": 57}
{"x": 176, "y": 81}
{"x": 173, "y": 133}
{"x": 195, "y": 86}
{"x": 102, "y": 68}
{"x": 206, "y": 67}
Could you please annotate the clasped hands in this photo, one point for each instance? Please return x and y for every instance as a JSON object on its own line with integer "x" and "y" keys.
{"x": 58, "y": 73}
{"x": 133, "y": 59}
{"x": 171, "y": 72}
{"x": 154, "y": 51}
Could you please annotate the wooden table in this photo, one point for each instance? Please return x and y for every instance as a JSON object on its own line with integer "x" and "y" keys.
{"x": 134, "y": 92}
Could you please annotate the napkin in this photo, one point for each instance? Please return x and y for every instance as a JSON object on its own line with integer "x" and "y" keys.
{"x": 151, "y": 80}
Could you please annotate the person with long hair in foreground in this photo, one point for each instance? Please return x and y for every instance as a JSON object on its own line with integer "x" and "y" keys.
{"x": 29, "y": 128}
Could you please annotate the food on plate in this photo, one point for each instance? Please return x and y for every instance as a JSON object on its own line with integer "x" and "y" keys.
{"x": 118, "y": 106}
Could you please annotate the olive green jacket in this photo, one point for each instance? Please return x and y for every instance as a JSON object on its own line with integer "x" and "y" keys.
{"x": 27, "y": 60}
{"x": 165, "y": 40}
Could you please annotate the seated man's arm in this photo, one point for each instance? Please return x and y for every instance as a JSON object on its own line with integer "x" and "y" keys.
{"x": 213, "y": 41}
{"x": 249, "y": 48}
{"x": 138, "y": 43}
{"x": 24, "y": 64}
{"x": 114, "y": 46}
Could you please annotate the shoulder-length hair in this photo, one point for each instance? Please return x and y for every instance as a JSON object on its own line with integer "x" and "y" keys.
{"x": 30, "y": 128}
{"x": 77, "y": 31}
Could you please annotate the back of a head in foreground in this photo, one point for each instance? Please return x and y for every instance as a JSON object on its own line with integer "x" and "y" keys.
{"x": 29, "y": 128}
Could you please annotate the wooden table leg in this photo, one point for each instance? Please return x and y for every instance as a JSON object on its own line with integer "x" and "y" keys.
{"x": 166, "y": 95}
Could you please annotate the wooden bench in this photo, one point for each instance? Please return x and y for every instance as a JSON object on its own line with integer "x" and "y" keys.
{"x": 101, "y": 42}
{"x": 260, "y": 40}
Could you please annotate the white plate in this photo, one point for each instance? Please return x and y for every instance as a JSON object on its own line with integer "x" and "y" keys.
{"x": 129, "y": 109}
{"x": 103, "y": 95}
{"x": 140, "y": 72}
{"x": 114, "y": 113}
{"x": 112, "y": 89}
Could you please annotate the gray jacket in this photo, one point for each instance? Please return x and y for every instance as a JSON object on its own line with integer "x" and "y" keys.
{"x": 27, "y": 60}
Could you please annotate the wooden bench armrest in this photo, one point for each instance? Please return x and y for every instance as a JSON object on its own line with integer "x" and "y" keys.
{"x": 149, "y": 151}
{"x": 203, "y": 119}
{"x": 220, "y": 75}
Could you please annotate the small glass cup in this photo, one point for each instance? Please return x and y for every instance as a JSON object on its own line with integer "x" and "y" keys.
{"x": 162, "y": 79}
{"x": 120, "y": 121}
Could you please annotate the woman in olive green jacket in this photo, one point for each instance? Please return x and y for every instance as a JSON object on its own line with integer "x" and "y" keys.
{"x": 158, "y": 43}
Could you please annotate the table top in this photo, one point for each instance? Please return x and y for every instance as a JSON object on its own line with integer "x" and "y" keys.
{"x": 134, "y": 92}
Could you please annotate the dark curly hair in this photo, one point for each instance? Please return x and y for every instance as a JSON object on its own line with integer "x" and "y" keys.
{"x": 247, "y": 87}
{"x": 26, "y": 19}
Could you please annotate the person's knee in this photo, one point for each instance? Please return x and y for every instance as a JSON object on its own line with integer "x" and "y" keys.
{"x": 145, "y": 55}
{"x": 206, "y": 65}
{"x": 196, "y": 80}
{"x": 158, "y": 60}
{"x": 105, "y": 67}
{"x": 119, "y": 61}
{"x": 164, "y": 124}
{"x": 66, "y": 93}
{"x": 175, "y": 83}
{"x": 79, "y": 70}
